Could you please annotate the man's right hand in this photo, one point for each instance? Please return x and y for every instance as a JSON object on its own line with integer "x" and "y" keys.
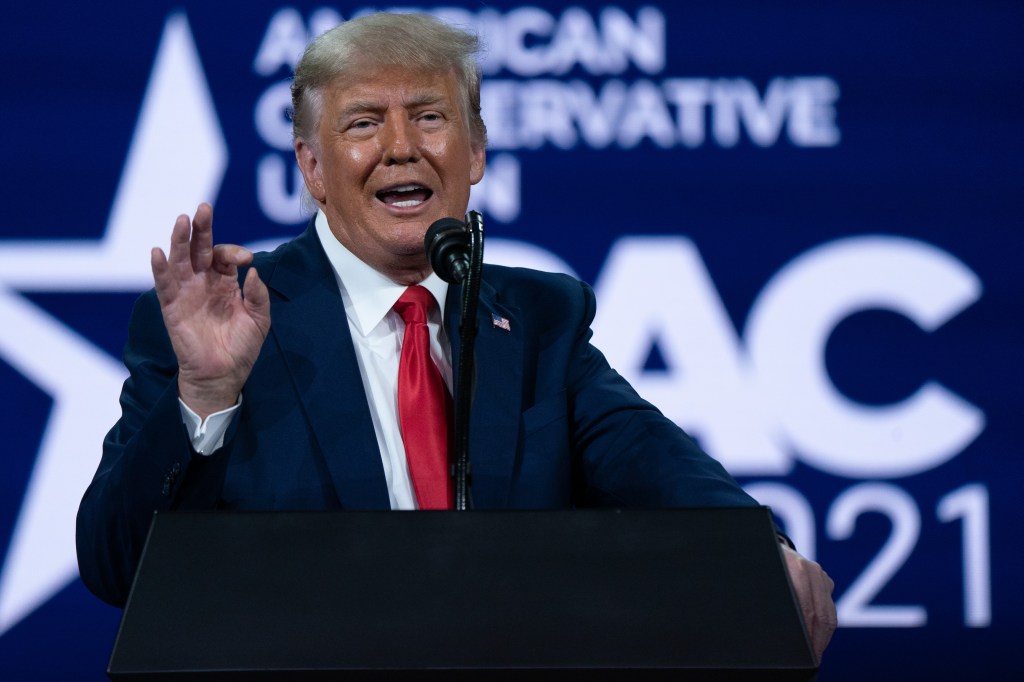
{"x": 216, "y": 327}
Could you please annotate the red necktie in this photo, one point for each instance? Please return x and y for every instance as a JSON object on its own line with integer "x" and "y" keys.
{"x": 423, "y": 405}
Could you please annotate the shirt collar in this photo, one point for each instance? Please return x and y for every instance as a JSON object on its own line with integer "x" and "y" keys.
{"x": 368, "y": 294}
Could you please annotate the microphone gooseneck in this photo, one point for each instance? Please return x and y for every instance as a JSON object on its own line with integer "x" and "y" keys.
{"x": 455, "y": 250}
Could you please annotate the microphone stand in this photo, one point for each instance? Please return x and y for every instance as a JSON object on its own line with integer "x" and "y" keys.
{"x": 467, "y": 374}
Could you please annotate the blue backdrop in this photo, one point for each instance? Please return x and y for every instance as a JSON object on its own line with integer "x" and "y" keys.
{"x": 801, "y": 220}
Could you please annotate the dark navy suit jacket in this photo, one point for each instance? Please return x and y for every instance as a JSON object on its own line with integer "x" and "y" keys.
{"x": 553, "y": 426}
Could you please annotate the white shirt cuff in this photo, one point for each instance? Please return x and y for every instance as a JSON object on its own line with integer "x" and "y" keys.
{"x": 207, "y": 434}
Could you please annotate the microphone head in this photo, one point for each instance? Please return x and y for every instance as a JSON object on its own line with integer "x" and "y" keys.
{"x": 446, "y": 244}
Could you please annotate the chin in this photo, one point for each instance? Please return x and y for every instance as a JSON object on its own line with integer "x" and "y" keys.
{"x": 409, "y": 243}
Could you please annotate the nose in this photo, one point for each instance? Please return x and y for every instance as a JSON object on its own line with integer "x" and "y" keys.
{"x": 398, "y": 138}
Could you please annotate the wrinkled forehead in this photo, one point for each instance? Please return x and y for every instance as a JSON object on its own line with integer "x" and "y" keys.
{"x": 394, "y": 84}
{"x": 367, "y": 71}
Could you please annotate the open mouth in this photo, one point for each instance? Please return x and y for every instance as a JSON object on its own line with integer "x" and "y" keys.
{"x": 404, "y": 196}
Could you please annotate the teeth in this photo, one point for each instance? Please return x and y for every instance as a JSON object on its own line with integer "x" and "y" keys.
{"x": 407, "y": 204}
{"x": 405, "y": 188}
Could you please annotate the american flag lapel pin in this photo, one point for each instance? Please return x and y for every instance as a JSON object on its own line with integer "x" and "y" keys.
{"x": 500, "y": 322}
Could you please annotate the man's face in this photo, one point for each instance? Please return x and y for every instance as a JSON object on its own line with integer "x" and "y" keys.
{"x": 392, "y": 155}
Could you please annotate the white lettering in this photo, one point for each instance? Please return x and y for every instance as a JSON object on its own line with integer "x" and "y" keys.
{"x": 971, "y": 504}
{"x": 278, "y": 201}
{"x": 791, "y": 322}
{"x": 690, "y": 96}
{"x": 646, "y": 115}
{"x": 498, "y": 193}
{"x": 323, "y": 20}
{"x": 736, "y": 101}
{"x": 458, "y": 17}
{"x": 499, "y": 108}
{"x": 707, "y": 387}
{"x": 523, "y": 25}
{"x": 531, "y": 114}
{"x": 283, "y": 43}
{"x": 597, "y": 116}
{"x": 546, "y": 116}
{"x": 854, "y": 607}
{"x": 577, "y": 42}
{"x": 643, "y": 41}
{"x": 529, "y": 41}
{"x": 272, "y": 116}
{"x": 812, "y": 122}
{"x": 490, "y": 30}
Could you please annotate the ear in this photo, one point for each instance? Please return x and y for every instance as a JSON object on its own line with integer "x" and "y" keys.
{"x": 477, "y": 164}
{"x": 310, "y": 167}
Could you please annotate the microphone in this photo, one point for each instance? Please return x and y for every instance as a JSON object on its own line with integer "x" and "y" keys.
{"x": 447, "y": 247}
{"x": 455, "y": 250}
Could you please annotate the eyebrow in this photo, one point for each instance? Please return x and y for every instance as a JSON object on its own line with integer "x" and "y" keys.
{"x": 418, "y": 99}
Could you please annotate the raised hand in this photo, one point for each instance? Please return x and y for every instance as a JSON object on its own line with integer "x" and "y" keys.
{"x": 216, "y": 327}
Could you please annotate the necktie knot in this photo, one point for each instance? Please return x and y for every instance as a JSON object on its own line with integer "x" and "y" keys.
{"x": 414, "y": 305}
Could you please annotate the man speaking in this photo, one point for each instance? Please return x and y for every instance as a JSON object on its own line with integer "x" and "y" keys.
{"x": 319, "y": 376}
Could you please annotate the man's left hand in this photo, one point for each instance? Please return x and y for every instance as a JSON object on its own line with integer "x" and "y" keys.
{"x": 813, "y": 590}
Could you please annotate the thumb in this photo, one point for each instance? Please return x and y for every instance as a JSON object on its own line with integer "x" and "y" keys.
{"x": 257, "y": 298}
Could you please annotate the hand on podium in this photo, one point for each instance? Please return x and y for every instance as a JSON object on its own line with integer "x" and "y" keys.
{"x": 813, "y": 590}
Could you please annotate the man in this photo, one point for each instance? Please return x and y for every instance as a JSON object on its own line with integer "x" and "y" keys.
{"x": 291, "y": 379}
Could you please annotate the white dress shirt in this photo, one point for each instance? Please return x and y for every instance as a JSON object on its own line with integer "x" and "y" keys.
{"x": 377, "y": 333}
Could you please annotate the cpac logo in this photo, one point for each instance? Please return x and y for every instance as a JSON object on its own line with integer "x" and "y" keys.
{"x": 753, "y": 403}
{"x": 754, "y": 409}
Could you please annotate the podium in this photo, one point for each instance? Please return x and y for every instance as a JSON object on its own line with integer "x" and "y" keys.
{"x": 476, "y": 595}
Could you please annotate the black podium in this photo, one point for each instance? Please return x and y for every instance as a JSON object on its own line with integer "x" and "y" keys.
{"x": 447, "y": 595}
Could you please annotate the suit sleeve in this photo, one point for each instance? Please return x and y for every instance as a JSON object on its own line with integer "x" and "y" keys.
{"x": 630, "y": 454}
{"x": 147, "y": 465}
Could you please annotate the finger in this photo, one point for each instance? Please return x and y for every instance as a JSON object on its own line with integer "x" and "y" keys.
{"x": 178, "y": 253}
{"x": 162, "y": 279}
{"x": 227, "y": 258}
{"x": 825, "y": 612}
{"x": 805, "y": 591}
{"x": 817, "y": 605}
{"x": 257, "y": 299}
{"x": 201, "y": 245}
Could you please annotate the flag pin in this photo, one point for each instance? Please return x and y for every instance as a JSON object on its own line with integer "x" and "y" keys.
{"x": 500, "y": 322}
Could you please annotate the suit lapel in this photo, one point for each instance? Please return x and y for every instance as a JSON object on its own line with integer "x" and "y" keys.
{"x": 497, "y": 402}
{"x": 313, "y": 337}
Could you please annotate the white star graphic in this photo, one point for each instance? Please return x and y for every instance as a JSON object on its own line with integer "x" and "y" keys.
{"x": 177, "y": 159}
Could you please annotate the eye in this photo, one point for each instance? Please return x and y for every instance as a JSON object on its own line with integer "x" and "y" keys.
{"x": 361, "y": 128}
{"x": 430, "y": 119}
